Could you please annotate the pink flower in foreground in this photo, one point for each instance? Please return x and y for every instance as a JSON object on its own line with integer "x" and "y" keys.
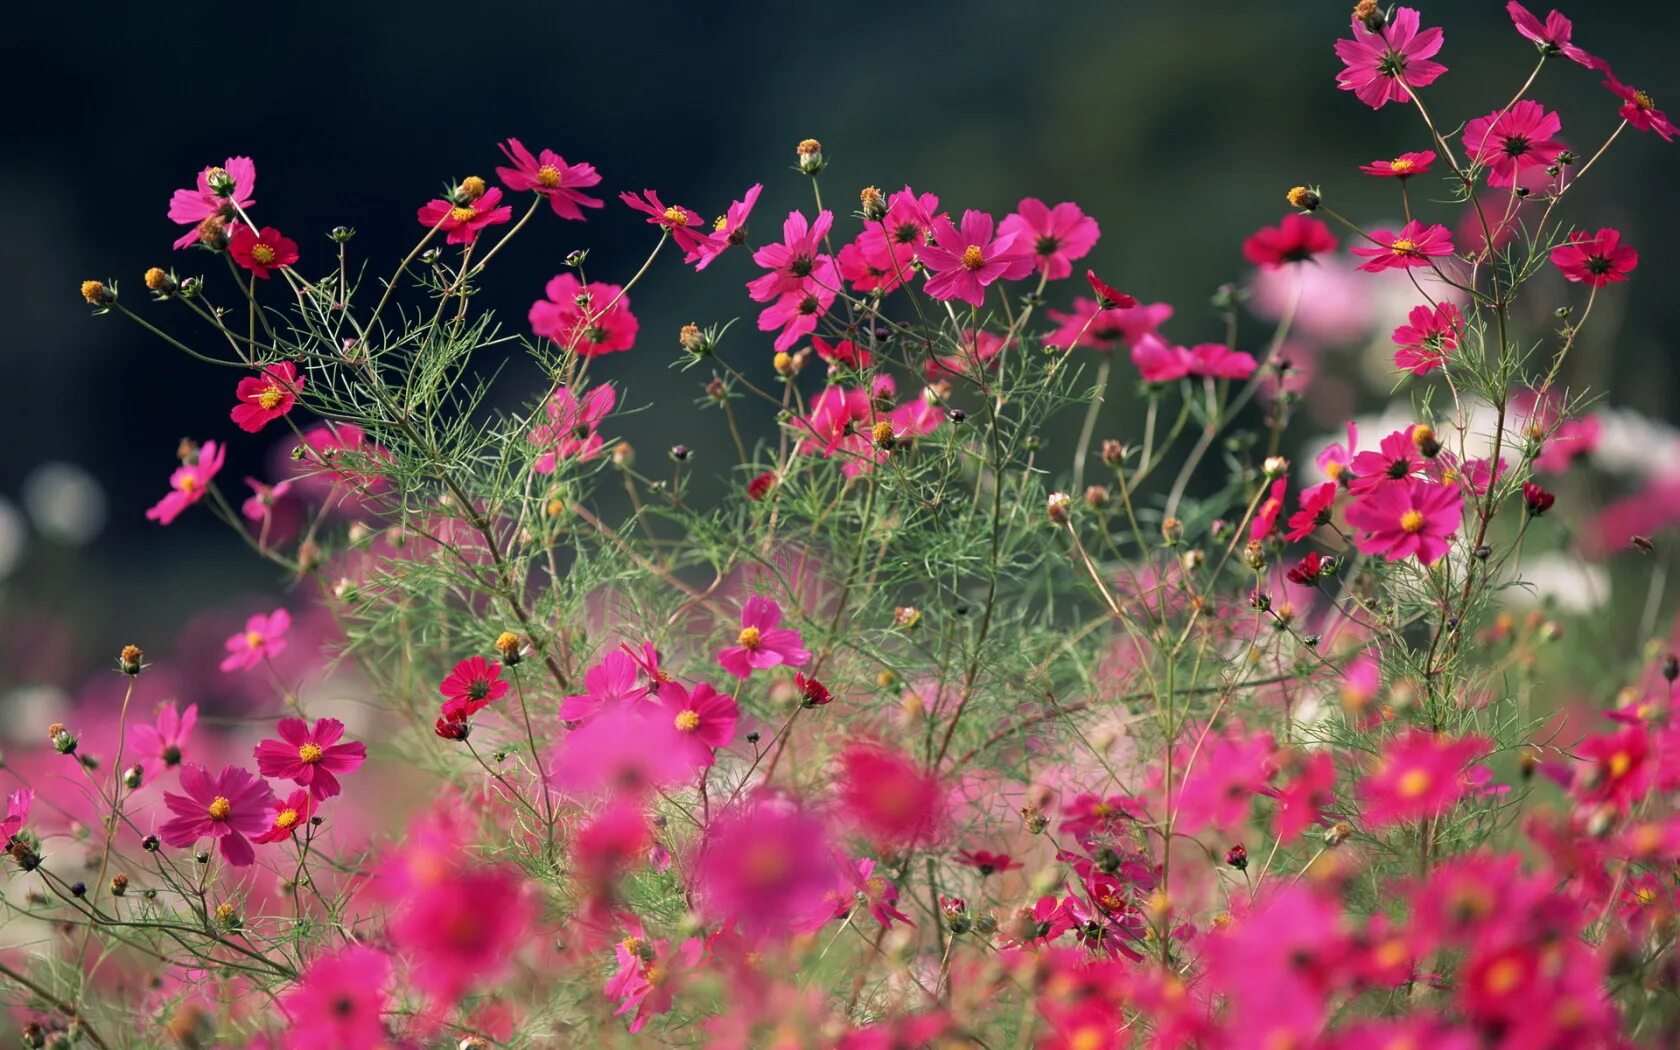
{"x": 889, "y": 798}
{"x": 1395, "y": 458}
{"x": 763, "y": 642}
{"x": 310, "y": 755}
{"x": 262, "y": 250}
{"x": 1595, "y": 259}
{"x": 470, "y": 687}
{"x": 703, "y": 714}
{"x": 793, "y": 262}
{"x": 1054, "y": 237}
{"x": 1297, "y": 238}
{"x": 1381, "y": 66}
{"x": 1419, "y": 775}
{"x": 1407, "y": 517}
{"x": 729, "y": 231}
{"x": 1302, "y": 799}
{"x": 189, "y": 483}
{"x": 587, "y": 319}
{"x": 259, "y": 505}
{"x": 684, "y": 226}
{"x": 216, "y": 193}
{"x": 766, "y": 866}
{"x": 263, "y": 638}
{"x": 338, "y": 1001}
{"x": 1412, "y": 246}
{"x": 548, "y": 174}
{"x": 1552, "y": 36}
{"x": 570, "y": 432}
{"x": 1402, "y": 167}
{"x": 1159, "y": 361}
{"x": 796, "y": 313}
{"x": 160, "y": 746}
{"x": 1512, "y": 141}
{"x": 1428, "y": 336}
{"x": 628, "y": 749}
{"x": 265, "y": 398}
{"x": 460, "y": 925}
{"x": 963, "y": 262}
{"x": 611, "y": 681}
{"x": 1638, "y": 109}
{"x": 287, "y": 815}
{"x": 228, "y": 808}
{"x": 463, "y": 221}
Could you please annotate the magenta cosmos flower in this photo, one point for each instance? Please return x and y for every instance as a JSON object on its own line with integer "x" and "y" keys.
{"x": 1408, "y": 517}
{"x": 1551, "y": 36}
{"x": 159, "y": 746}
{"x": 228, "y": 808}
{"x": 1402, "y": 167}
{"x": 570, "y": 432}
{"x": 1412, "y": 246}
{"x": 963, "y": 261}
{"x": 1090, "y": 324}
{"x": 1381, "y": 66}
{"x": 880, "y": 258}
{"x": 797, "y": 312}
{"x": 1512, "y": 141}
{"x": 684, "y": 226}
{"x": 263, "y": 638}
{"x": 285, "y": 816}
{"x": 470, "y": 687}
{"x": 550, "y": 176}
{"x": 702, "y": 714}
{"x": 1159, "y": 361}
{"x": 1428, "y": 336}
{"x": 763, "y": 642}
{"x": 17, "y": 813}
{"x": 628, "y": 749}
{"x": 1055, "y": 237}
{"x": 612, "y": 681}
{"x": 265, "y": 398}
{"x": 339, "y": 1000}
{"x": 262, "y": 251}
{"x": 729, "y": 231}
{"x": 1419, "y": 775}
{"x": 1638, "y": 108}
{"x": 463, "y": 221}
{"x": 587, "y": 319}
{"x": 1296, "y": 239}
{"x": 1595, "y": 259}
{"x": 219, "y": 189}
{"x": 310, "y": 756}
{"x": 189, "y": 483}
{"x": 793, "y": 262}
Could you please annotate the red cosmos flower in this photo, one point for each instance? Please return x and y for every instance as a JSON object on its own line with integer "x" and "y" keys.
{"x": 1296, "y": 238}
{"x": 219, "y": 190}
{"x": 1053, "y": 236}
{"x": 1536, "y": 499}
{"x": 263, "y": 638}
{"x": 1402, "y": 167}
{"x": 1306, "y": 571}
{"x": 1314, "y": 513}
{"x": 703, "y": 714}
{"x": 472, "y": 686}
{"x": 760, "y": 486}
{"x": 310, "y": 756}
{"x": 1552, "y": 37}
{"x": 265, "y": 398}
{"x": 463, "y": 221}
{"x": 684, "y": 226}
{"x": 797, "y": 262}
{"x": 1217, "y": 788}
{"x": 262, "y": 251}
{"x": 1430, "y": 334}
{"x": 286, "y": 816}
{"x": 1637, "y": 108}
{"x": 453, "y": 727}
{"x": 1381, "y": 66}
{"x": 550, "y": 176}
{"x": 1266, "y": 514}
{"x": 159, "y": 747}
{"x": 815, "y": 693}
{"x": 729, "y": 231}
{"x": 227, "y": 808}
{"x": 1615, "y": 767}
{"x": 1595, "y": 259}
{"x": 587, "y": 319}
{"x": 987, "y": 862}
{"x": 1110, "y": 297}
{"x": 1412, "y": 246}
{"x": 889, "y": 797}
{"x": 1419, "y": 775}
{"x": 963, "y": 262}
{"x": 763, "y": 642}
{"x": 571, "y": 430}
{"x": 1511, "y": 141}
{"x": 339, "y": 1001}
{"x": 1407, "y": 517}
{"x": 845, "y": 352}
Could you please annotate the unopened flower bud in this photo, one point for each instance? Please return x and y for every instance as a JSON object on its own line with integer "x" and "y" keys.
{"x": 907, "y": 617}
{"x": 680, "y": 453}
{"x": 1602, "y": 821}
{"x": 574, "y": 259}
{"x": 98, "y": 295}
{"x": 119, "y": 885}
{"x": 63, "y": 741}
{"x": 133, "y": 776}
{"x": 1536, "y": 499}
{"x": 956, "y": 415}
{"x": 692, "y": 339}
{"x": 760, "y": 486}
{"x": 1303, "y": 198}
{"x": 886, "y": 679}
{"x": 1237, "y": 857}
{"x": 1097, "y": 497}
{"x": 1275, "y": 467}
{"x": 782, "y": 363}
{"x": 130, "y": 660}
{"x": 1370, "y": 14}
{"x": 227, "y": 914}
{"x": 1337, "y": 833}
{"x": 882, "y": 436}
{"x": 1113, "y": 453}
{"x": 1059, "y": 508}
{"x": 1254, "y": 555}
{"x": 874, "y": 204}
{"x": 471, "y": 188}
{"x": 507, "y": 644}
{"x": 341, "y": 234}
{"x": 809, "y": 156}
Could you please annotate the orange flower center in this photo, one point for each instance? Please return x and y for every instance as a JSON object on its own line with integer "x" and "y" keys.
{"x": 262, "y": 253}
{"x": 687, "y": 721}
{"x": 1643, "y": 100}
{"x": 676, "y": 216}
{"x": 1401, "y": 164}
{"x": 548, "y": 176}
{"x": 1620, "y": 763}
{"x": 1503, "y": 976}
{"x": 463, "y": 214}
{"x": 749, "y": 638}
{"x": 188, "y": 484}
{"x": 270, "y": 396}
{"x": 1403, "y": 245}
{"x": 253, "y": 639}
{"x": 310, "y": 753}
{"x": 220, "y": 808}
{"x": 285, "y": 818}
{"x": 1412, "y": 521}
{"x": 1414, "y": 782}
{"x": 973, "y": 258}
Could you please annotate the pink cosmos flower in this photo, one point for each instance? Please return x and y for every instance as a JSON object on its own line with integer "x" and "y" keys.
{"x": 796, "y": 313}
{"x": 228, "y": 808}
{"x": 1266, "y": 514}
{"x": 1638, "y": 109}
{"x": 1512, "y": 141}
{"x": 795, "y": 263}
{"x": 549, "y": 175}
{"x": 190, "y": 207}
{"x": 1420, "y": 775}
{"x": 1428, "y": 336}
{"x": 1402, "y": 167}
{"x": 1381, "y": 66}
{"x": 1595, "y": 259}
{"x": 17, "y": 813}
{"x": 703, "y": 714}
{"x": 766, "y": 865}
{"x": 1218, "y": 361}
{"x": 837, "y": 422}
{"x": 1054, "y": 237}
{"x": 880, "y": 258}
{"x": 845, "y": 353}
{"x": 763, "y": 642}
{"x": 1218, "y": 788}
{"x": 463, "y": 221}
{"x": 1395, "y": 458}
{"x": 470, "y": 687}
{"x": 963, "y": 261}
{"x": 1108, "y": 296}
{"x": 263, "y": 638}
{"x": 189, "y": 483}
{"x": 588, "y": 320}
{"x": 159, "y": 747}
{"x": 647, "y": 970}
{"x": 1301, "y": 801}
{"x": 729, "y": 231}
{"x": 1316, "y": 504}
{"x": 261, "y": 251}
{"x": 1412, "y": 246}
{"x": 611, "y": 681}
{"x": 1406, "y": 518}
{"x": 287, "y": 816}
{"x": 310, "y": 756}
{"x": 460, "y": 927}
{"x": 1091, "y": 325}
{"x": 343, "y": 454}
{"x": 338, "y": 1001}
{"x": 1475, "y": 475}
{"x": 1336, "y": 458}
{"x": 979, "y": 353}
{"x": 259, "y": 506}
{"x": 1158, "y": 361}
{"x": 684, "y": 226}
{"x": 626, "y": 750}
{"x": 889, "y": 798}
{"x": 1551, "y": 37}
{"x": 570, "y": 432}
{"x": 265, "y": 398}
{"x": 1297, "y": 238}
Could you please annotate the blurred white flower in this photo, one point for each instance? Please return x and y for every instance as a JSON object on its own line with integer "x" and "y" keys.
{"x": 65, "y": 502}
{"x": 1572, "y": 585}
{"x": 14, "y": 536}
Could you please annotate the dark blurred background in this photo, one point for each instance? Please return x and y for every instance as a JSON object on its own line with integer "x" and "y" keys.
{"x": 1177, "y": 125}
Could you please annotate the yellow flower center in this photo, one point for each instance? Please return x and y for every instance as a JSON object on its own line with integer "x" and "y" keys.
{"x": 262, "y": 253}
{"x": 1087, "y": 1037}
{"x": 310, "y": 753}
{"x": 1620, "y": 763}
{"x": 220, "y": 808}
{"x": 1403, "y": 245}
{"x": 973, "y": 258}
{"x": 463, "y": 214}
{"x": 1401, "y": 164}
{"x": 253, "y": 639}
{"x": 285, "y": 818}
{"x": 1412, "y": 521}
{"x": 655, "y": 975}
{"x": 1333, "y": 471}
{"x": 189, "y": 484}
{"x": 749, "y": 638}
{"x": 1643, "y": 100}
{"x": 722, "y": 221}
{"x": 1414, "y": 782}
{"x": 1391, "y": 953}
{"x": 1503, "y": 976}
{"x": 548, "y": 176}
{"x": 676, "y": 216}
{"x": 632, "y": 945}
{"x": 270, "y": 396}
{"x": 687, "y": 721}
